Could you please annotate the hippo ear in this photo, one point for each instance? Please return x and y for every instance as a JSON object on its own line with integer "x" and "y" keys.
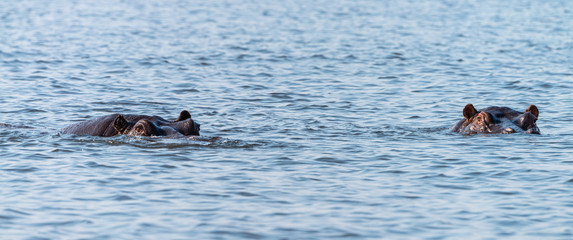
{"x": 533, "y": 110}
{"x": 184, "y": 115}
{"x": 120, "y": 124}
{"x": 469, "y": 111}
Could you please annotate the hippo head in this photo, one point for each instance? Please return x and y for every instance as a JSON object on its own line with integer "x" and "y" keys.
{"x": 156, "y": 126}
{"x": 498, "y": 120}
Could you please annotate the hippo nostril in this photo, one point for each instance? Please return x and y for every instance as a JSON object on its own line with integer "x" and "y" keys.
{"x": 509, "y": 130}
{"x": 533, "y": 131}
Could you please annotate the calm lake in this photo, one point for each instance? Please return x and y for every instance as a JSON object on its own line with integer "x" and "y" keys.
{"x": 334, "y": 119}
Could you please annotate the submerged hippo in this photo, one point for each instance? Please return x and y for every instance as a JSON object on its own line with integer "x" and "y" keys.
{"x": 497, "y": 120}
{"x": 135, "y": 125}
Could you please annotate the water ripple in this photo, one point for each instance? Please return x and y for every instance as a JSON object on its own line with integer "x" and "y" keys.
{"x": 319, "y": 120}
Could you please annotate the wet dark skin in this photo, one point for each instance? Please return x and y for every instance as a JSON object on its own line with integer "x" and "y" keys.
{"x": 498, "y": 120}
{"x": 135, "y": 125}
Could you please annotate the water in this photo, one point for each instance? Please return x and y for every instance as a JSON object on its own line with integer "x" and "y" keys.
{"x": 333, "y": 118}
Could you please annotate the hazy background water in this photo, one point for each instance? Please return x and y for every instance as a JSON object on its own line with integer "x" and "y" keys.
{"x": 334, "y": 119}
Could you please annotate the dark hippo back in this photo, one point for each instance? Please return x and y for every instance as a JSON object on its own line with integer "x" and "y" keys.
{"x": 99, "y": 126}
{"x": 114, "y": 124}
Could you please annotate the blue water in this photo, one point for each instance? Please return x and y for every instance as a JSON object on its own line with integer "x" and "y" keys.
{"x": 333, "y": 118}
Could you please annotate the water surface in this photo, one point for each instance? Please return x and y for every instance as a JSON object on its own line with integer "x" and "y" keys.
{"x": 334, "y": 119}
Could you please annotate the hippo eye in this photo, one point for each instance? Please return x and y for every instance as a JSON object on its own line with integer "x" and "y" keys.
{"x": 481, "y": 120}
{"x": 138, "y": 130}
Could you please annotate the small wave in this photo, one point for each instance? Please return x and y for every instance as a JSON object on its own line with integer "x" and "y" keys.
{"x": 21, "y": 170}
{"x": 319, "y": 56}
{"x": 93, "y": 164}
{"x": 407, "y": 131}
{"x": 171, "y": 143}
{"x": 10, "y": 126}
{"x": 62, "y": 223}
{"x": 238, "y": 234}
{"x": 122, "y": 197}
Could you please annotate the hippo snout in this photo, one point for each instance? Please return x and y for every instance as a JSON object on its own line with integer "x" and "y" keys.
{"x": 509, "y": 130}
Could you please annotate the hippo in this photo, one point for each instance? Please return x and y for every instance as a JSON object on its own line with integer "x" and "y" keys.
{"x": 135, "y": 125}
{"x": 498, "y": 120}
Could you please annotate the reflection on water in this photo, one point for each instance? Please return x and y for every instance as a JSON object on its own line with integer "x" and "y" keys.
{"x": 320, "y": 120}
